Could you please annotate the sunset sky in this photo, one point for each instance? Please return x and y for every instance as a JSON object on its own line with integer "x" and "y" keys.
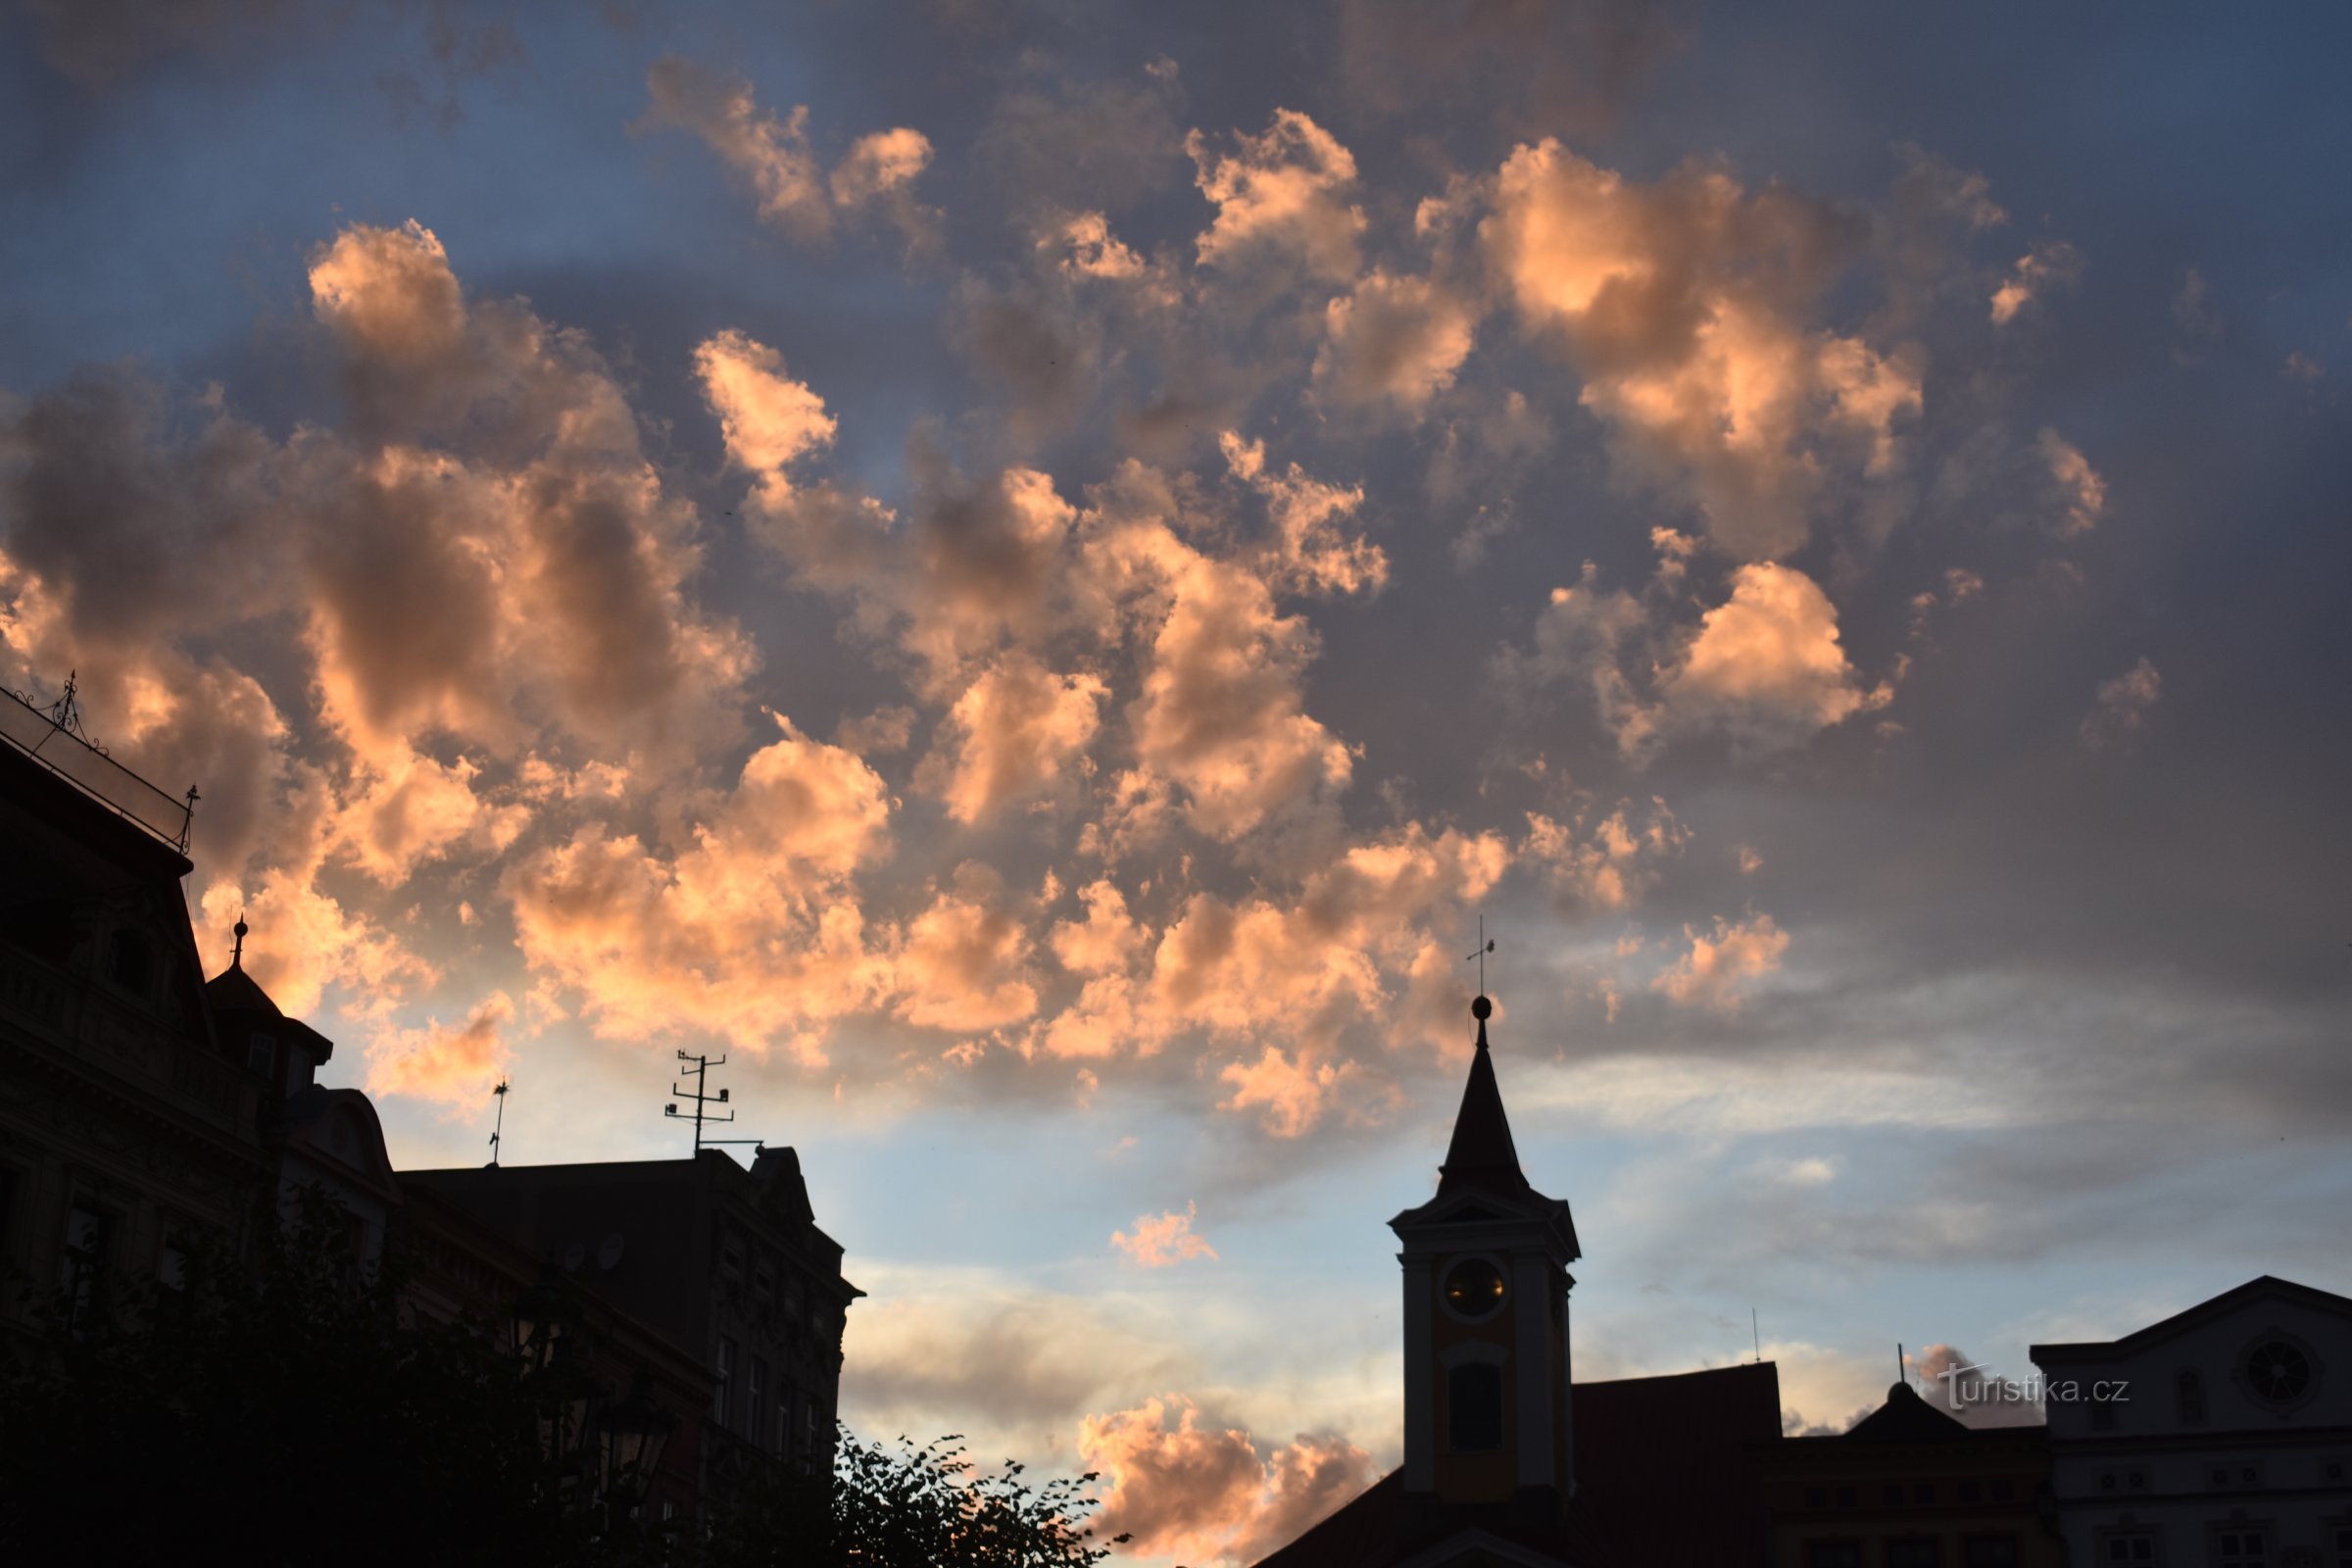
{"x": 1029, "y": 571}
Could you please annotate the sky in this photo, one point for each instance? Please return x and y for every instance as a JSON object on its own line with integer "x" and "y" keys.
{"x": 1030, "y": 571}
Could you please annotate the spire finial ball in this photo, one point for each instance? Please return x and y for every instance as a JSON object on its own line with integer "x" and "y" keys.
{"x": 1482, "y": 1010}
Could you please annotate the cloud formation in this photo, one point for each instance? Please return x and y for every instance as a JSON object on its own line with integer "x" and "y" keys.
{"x": 1163, "y": 1240}
{"x": 1201, "y": 1493}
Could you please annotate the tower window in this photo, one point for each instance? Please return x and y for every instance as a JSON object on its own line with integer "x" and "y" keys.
{"x": 2190, "y": 1387}
{"x": 1475, "y": 1394}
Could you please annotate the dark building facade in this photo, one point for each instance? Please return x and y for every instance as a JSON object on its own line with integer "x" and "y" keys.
{"x": 125, "y": 1131}
{"x": 729, "y": 1265}
{"x": 1909, "y": 1486}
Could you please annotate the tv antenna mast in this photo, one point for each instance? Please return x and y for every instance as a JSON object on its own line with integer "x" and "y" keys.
{"x": 701, "y": 1097}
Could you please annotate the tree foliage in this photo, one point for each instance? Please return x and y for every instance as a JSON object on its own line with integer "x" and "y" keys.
{"x": 286, "y": 1405}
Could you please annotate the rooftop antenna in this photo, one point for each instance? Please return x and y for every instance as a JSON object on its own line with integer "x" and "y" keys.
{"x": 700, "y": 1068}
{"x": 1757, "y": 1334}
{"x": 1902, "y": 1369}
{"x": 500, "y": 1129}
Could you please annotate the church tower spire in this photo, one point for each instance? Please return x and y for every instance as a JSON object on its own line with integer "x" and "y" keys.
{"x": 1486, "y": 1414}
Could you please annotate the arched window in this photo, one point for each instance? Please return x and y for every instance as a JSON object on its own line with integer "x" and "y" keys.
{"x": 1474, "y": 1394}
{"x": 2190, "y": 1389}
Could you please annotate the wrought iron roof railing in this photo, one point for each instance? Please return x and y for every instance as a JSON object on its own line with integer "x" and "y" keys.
{"x": 53, "y": 738}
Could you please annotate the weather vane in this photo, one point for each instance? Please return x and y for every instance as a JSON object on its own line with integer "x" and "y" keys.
{"x": 1484, "y": 947}
{"x": 498, "y": 1130}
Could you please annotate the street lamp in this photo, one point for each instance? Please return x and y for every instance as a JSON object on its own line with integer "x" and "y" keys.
{"x": 635, "y": 1430}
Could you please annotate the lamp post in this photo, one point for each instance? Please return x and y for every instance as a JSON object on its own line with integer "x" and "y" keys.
{"x": 635, "y": 1430}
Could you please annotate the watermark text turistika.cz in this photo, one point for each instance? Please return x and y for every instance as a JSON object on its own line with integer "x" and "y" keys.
{"x": 1973, "y": 1385}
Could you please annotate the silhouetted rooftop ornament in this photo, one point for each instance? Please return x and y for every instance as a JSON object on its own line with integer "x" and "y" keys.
{"x": 232, "y": 990}
{"x": 1482, "y": 1153}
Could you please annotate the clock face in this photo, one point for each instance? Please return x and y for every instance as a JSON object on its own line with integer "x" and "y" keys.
{"x": 2277, "y": 1372}
{"x": 1474, "y": 1287}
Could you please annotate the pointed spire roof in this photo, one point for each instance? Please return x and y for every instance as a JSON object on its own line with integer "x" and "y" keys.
{"x": 1482, "y": 1154}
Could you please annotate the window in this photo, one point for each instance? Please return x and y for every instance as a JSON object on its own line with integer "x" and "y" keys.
{"x": 1918, "y": 1552}
{"x": 1971, "y": 1492}
{"x": 763, "y": 1285}
{"x": 754, "y": 1415}
{"x": 128, "y": 962}
{"x": 2239, "y": 1546}
{"x": 1817, "y": 1497}
{"x": 7, "y": 1209}
{"x": 2189, "y": 1390}
{"x": 1891, "y": 1495}
{"x": 261, "y": 1055}
{"x": 1846, "y": 1498}
{"x": 2129, "y": 1546}
{"x": 2277, "y": 1372}
{"x": 2341, "y": 1538}
{"x": 2102, "y": 1416}
{"x": 1475, "y": 1394}
{"x": 2138, "y": 1481}
{"x": 1988, "y": 1552}
{"x": 2106, "y": 1480}
{"x": 723, "y": 1381}
{"x": 172, "y": 1260}
{"x": 84, "y": 1261}
{"x": 2220, "y": 1476}
{"x": 783, "y": 1424}
{"x": 1924, "y": 1495}
{"x": 1833, "y": 1554}
{"x": 2003, "y": 1490}
{"x": 730, "y": 1262}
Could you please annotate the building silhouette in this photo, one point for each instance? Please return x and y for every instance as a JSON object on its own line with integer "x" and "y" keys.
{"x": 2222, "y": 1434}
{"x": 729, "y": 1265}
{"x": 1910, "y": 1485}
{"x": 145, "y": 1111}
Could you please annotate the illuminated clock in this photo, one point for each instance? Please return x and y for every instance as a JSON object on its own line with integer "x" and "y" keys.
{"x": 1474, "y": 1287}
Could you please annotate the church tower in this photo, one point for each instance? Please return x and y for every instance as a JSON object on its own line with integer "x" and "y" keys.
{"x": 1487, "y": 1412}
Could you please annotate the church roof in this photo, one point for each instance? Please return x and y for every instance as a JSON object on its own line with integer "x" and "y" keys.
{"x": 1905, "y": 1417}
{"x": 1645, "y": 1449}
{"x": 1482, "y": 1154}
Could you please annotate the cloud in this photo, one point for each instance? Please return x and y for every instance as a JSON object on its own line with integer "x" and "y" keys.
{"x": 1397, "y": 339}
{"x": 1685, "y": 305}
{"x": 2049, "y": 265}
{"x": 1608, "y": 866}
{"x": 453, "y": 1068}
{"x": 1278, "y": 200}
{"x": 1766, "y": 666}
{"x": 963, "y": 963}
{"x": 1162, "y": 1241}
{"x": 1186, "y": 1491}
{"x": 767, "y": 420}
{"x": 1013, "y": 734}
{"x": 776, "y": 159}
{"x": 2079, "y": 488}
{"x": 746, "y": 932}
{"x": 2123, "y": 704}
{"x": 1718, "y": 969}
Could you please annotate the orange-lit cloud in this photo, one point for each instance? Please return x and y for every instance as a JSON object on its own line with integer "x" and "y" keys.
{"x": 2123, "y": 704}
{"x": 1686, "y": 306}
{"x": 1161, "y": 1240}
{"x": 455, "y": 1067}
{"x": 2081, "y": 491}
{"x": 1203, "y": 1493}
{"x": 1720, "y": 968}
{"x": 1278, "y": 197}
